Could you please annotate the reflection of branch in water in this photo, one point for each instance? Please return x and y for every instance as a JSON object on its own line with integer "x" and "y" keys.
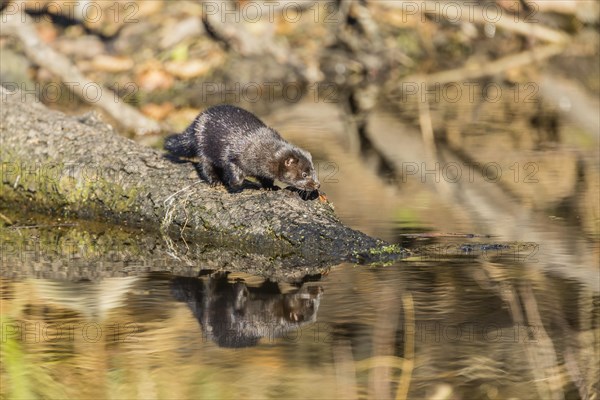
{"x": 539, "y": 350}
{"x": 534, "y": 319}
{"x": 409, "y": 346}
{"x": 381, "y": 363}
{"x": 384, "y": 342}
{"x": 345, "y": 369}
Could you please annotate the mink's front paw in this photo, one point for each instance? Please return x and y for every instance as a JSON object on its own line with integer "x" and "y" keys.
{"x": 235, "y": 189}
{"x": 268, "y": 184}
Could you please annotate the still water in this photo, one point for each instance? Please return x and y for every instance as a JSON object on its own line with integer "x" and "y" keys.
{"x": 498, "y": 300}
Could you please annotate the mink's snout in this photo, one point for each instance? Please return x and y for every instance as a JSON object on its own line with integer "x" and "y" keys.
{"x": 309, "y": 184}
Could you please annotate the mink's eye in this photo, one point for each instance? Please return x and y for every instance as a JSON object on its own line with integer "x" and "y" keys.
{"x": 304, "y": 175}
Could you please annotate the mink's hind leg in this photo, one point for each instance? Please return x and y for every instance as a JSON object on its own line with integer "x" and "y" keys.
{"x": 267, "y": 183}
{"x": 208, "y": 172}
{"x": 234, "y": 177}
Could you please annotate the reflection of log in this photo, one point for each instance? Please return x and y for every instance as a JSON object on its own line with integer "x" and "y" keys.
{"x": 84, "y": 252}
{"x": 80, "y": 167}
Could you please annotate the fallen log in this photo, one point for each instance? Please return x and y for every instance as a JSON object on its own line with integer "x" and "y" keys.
{"x": 80, "y": 167}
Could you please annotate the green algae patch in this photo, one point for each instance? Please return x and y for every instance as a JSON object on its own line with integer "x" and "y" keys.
{"x": 383, "y": 255}
{"x": 64, "y": 186}
{"x": 386, "y": 250}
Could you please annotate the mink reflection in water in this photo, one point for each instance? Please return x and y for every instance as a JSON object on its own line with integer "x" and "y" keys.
{"x": 235, "y": 315}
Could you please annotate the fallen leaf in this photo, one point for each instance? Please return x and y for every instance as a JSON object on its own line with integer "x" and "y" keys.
{"x": 158, "y": 111}
{"x": 103, "y": 62}
{"x": 188, "y": 69}
{"x": 153, "y": 79}
{"x": 46, "y": 32}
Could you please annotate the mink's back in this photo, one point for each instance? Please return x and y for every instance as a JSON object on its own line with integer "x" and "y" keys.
{"x": 225, "y": 131}
{"x": 231, "y": 119}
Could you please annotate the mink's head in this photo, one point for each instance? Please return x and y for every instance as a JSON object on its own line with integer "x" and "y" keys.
{"x": 296, "y": 169}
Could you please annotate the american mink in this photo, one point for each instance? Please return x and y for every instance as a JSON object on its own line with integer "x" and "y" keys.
{"x": 233, "y": 143}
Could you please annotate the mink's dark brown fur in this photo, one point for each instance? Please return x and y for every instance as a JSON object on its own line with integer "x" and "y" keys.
{"x": 233, "y": 143}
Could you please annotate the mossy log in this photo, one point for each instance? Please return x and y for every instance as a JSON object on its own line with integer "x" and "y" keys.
{"x": 82, "y": 168}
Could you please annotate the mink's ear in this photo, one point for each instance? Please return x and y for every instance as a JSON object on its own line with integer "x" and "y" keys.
{"x": 290, "y": 160}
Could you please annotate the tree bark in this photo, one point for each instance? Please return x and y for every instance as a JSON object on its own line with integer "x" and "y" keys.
{"x": 79, "y": 166}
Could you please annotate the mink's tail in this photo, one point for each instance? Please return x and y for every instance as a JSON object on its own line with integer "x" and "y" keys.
{"x": 181, "y": 145}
